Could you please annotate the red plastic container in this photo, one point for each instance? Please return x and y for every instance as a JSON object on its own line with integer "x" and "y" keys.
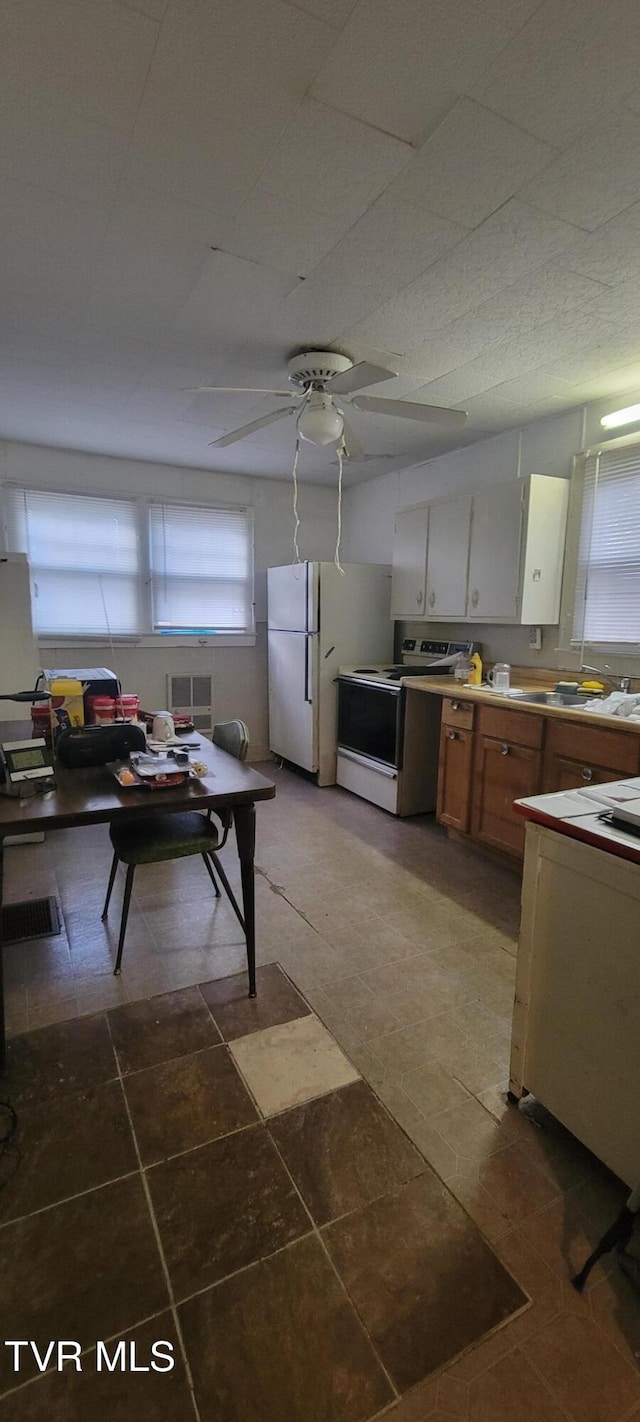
{"x": 101, "y": 710}
{"x": 127, "y": 706}
{"x": 41, "y": 721}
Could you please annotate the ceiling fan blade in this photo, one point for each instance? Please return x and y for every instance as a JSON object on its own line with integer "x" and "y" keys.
{"x": 411, "y": 410}
{"x": 245, "y": 430}
{"x": 231, "y": 390}
{"x": 352, "y": 444}
{"x": 358, "y": 377}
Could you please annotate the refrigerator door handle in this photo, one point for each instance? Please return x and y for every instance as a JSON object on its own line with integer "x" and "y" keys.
{"x": 307, "y": 645}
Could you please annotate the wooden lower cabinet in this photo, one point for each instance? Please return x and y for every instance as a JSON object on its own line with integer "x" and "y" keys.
{"x": 502, "y": 772}
{"x": 585, "y": 755}
{"x": 454, "y": 776}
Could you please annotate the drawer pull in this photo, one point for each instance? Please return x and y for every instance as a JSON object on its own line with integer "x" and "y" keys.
{"x": 504, "y": 748}
{"x": 587, "y": 773}
{"x": 453, "y": 735}
{"x": 455, "y": 705}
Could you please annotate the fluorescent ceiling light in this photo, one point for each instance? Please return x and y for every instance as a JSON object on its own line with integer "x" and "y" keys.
{"x": 621, "y": 417}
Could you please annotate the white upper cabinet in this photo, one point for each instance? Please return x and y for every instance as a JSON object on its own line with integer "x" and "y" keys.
{"x": 494, "y": 556}
{"x": 517, "y": 551}
{"x": 409, "y": 579}
{"x": 447, "y": 558}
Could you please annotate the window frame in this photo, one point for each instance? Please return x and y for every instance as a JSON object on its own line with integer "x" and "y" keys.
{"x": 569, "y": 642}
{"x": 146, "y": 638}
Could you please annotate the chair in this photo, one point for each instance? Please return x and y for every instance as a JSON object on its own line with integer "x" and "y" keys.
{"x": 174, "y": 836}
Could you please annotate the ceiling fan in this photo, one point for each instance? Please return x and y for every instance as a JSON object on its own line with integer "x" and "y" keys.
{"x": 321, "y": 383}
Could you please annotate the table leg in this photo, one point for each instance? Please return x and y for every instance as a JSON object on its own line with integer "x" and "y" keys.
{"x": 245, "y": 823}
{"x": 2, "y": 1031}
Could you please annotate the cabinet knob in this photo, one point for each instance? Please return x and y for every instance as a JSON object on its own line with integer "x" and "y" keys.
{"x": 432, "y": 599}
{"x": 587, "y": 773}
{"x": 475, "y": 597}
{"x": 453, "y": 735}
{"x": 419, "y": 597}
{"x": 504, "y": 748}
{"x": 455, "y": 705}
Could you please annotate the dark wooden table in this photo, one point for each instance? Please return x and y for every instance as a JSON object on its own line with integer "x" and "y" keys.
{"x": 89, "y": 797}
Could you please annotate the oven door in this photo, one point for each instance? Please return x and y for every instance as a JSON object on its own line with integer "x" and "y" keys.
{"x": 370, "y": 721}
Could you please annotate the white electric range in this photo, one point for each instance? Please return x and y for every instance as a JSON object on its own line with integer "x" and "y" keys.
{"x": 371, "y": 718}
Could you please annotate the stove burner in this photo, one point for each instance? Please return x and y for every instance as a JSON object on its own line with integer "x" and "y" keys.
{"x": 365, "y": 671}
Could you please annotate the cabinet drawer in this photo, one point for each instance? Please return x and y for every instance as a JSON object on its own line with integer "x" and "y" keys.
{"x": 594, "y": 747}
{"x": 457, "y": 712}
{"x": 513, "y": 726}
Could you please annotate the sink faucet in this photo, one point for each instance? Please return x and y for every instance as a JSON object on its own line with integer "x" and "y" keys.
{"x": 619, "y": 683}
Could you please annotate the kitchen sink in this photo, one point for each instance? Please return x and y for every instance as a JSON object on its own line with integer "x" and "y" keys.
{"x": 551, "y": 698}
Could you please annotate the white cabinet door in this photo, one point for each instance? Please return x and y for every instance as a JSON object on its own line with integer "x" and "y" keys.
{"x": 494, "y": 557}
{"x": 449, "y": 525}
{"x": 408, "y": 583}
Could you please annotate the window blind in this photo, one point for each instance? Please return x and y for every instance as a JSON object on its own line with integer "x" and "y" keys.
{"x": 201, "y": 562}
{"x": 84, "y": 558}
{"x": 607, "y": 605}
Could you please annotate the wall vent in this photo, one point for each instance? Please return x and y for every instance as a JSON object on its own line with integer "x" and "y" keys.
{"x": 192, "y": 696}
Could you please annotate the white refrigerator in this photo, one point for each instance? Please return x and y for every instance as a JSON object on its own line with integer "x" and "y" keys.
{"x": 318, "y": 620}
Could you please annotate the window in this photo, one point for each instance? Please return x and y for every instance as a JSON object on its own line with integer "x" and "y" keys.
{"x": 104, "y": 567}
{"x": 607, "y": 606}
{"x": 200, "y": 568}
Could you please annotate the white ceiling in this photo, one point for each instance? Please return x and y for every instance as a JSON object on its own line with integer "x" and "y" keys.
{"x": 192, "y": 189}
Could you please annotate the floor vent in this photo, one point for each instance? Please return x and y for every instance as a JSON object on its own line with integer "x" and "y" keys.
{"x": 33, "y": 918}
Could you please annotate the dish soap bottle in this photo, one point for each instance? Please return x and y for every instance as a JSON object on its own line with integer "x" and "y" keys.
{"x": 475, "y": 676}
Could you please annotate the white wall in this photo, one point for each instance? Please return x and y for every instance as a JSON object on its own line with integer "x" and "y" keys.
{"x": 545, "y": 447}
{"x": 240, "y": 673}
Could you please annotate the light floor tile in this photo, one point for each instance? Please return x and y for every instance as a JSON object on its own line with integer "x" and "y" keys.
{"x": 294, "y": 1062}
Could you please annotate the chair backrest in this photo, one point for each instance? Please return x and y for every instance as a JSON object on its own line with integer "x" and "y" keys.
{"x": 233, "y": 737}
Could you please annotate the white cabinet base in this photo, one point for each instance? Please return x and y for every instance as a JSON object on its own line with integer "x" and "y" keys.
{"x": 378, "y": 786}
{"x": 576, "y": 1021}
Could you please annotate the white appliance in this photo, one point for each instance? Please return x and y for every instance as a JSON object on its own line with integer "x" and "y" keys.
{"x": 388, "y": 752}
{"x": 19, "y": 664}
{"x": 319, "y": 618}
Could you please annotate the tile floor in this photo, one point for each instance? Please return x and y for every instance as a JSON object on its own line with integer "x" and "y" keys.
{"x": 220, "y": 1168}
{"x": 403, "y": 944}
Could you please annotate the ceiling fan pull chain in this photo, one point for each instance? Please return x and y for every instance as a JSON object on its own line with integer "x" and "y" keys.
{"x": 340, "y": 452}
{"x": 296, "y": 520}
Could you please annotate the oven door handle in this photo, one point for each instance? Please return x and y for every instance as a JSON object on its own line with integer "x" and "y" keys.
{"x": 370, "y": 763}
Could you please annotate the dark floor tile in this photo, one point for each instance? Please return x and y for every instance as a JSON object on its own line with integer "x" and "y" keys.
{"x": 282, "y": 1341}
{"x": 183, "y": 1103}
{"x": 67, "y": 1146}
{"x": 161, "y": 1028}
{"x": 85, "y": 1269}
{"x": 237, "y": 1014}
{"x": 222, "y": 1207}
{"x": 344, "y": 1150}
{"x": 55, "y": 1061}
{"x": 117, "y": 1396}
{"x": 424, "y": 1281}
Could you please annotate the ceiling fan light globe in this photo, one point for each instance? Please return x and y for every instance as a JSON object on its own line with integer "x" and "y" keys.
{"x": 320, "y": 424}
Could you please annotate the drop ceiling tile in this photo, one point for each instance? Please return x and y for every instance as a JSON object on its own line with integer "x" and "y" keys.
{"x": 608, "y": 350}
{"x": 46, "y": 145}
{"x": 142, "y": 220}
{"x": 385, "y": 249}
{"x": 89, "y": 58}
{"x": 332, "y": 12}
{"x": 249, "y": 63}
{"x": 559, "y": 73}
{"x": 596, "y": 178}
{"x": 155, "y": 9}
{"x": 140, "y": 291}
{"x": 331, "y": 163}
{"x": 401, "y": 67}
{"x": 232, "y": 300}
{"x": 280, "y": 234}
{"x": 193, "y": 157}
{"x": 508, "y": 246}
{"x": 621, "y": 381}
{"x": 471, "y": 164}
{"x": 620, "y": 304}
{"x": 610, "y": 255}
{"x": 536, "y": 298}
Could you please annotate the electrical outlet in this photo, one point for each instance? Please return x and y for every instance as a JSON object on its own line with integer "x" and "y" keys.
{"x": 535, "y": 639}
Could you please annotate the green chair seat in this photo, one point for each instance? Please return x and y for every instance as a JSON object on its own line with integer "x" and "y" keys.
{"x": 164, "y": 837}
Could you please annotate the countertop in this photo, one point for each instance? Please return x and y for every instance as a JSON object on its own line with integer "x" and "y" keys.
{"x": 447, "y": 686}
{"x": 576, "y": 813}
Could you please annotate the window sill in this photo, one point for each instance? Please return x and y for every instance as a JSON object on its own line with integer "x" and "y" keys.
{"x": 152, "y": 640}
